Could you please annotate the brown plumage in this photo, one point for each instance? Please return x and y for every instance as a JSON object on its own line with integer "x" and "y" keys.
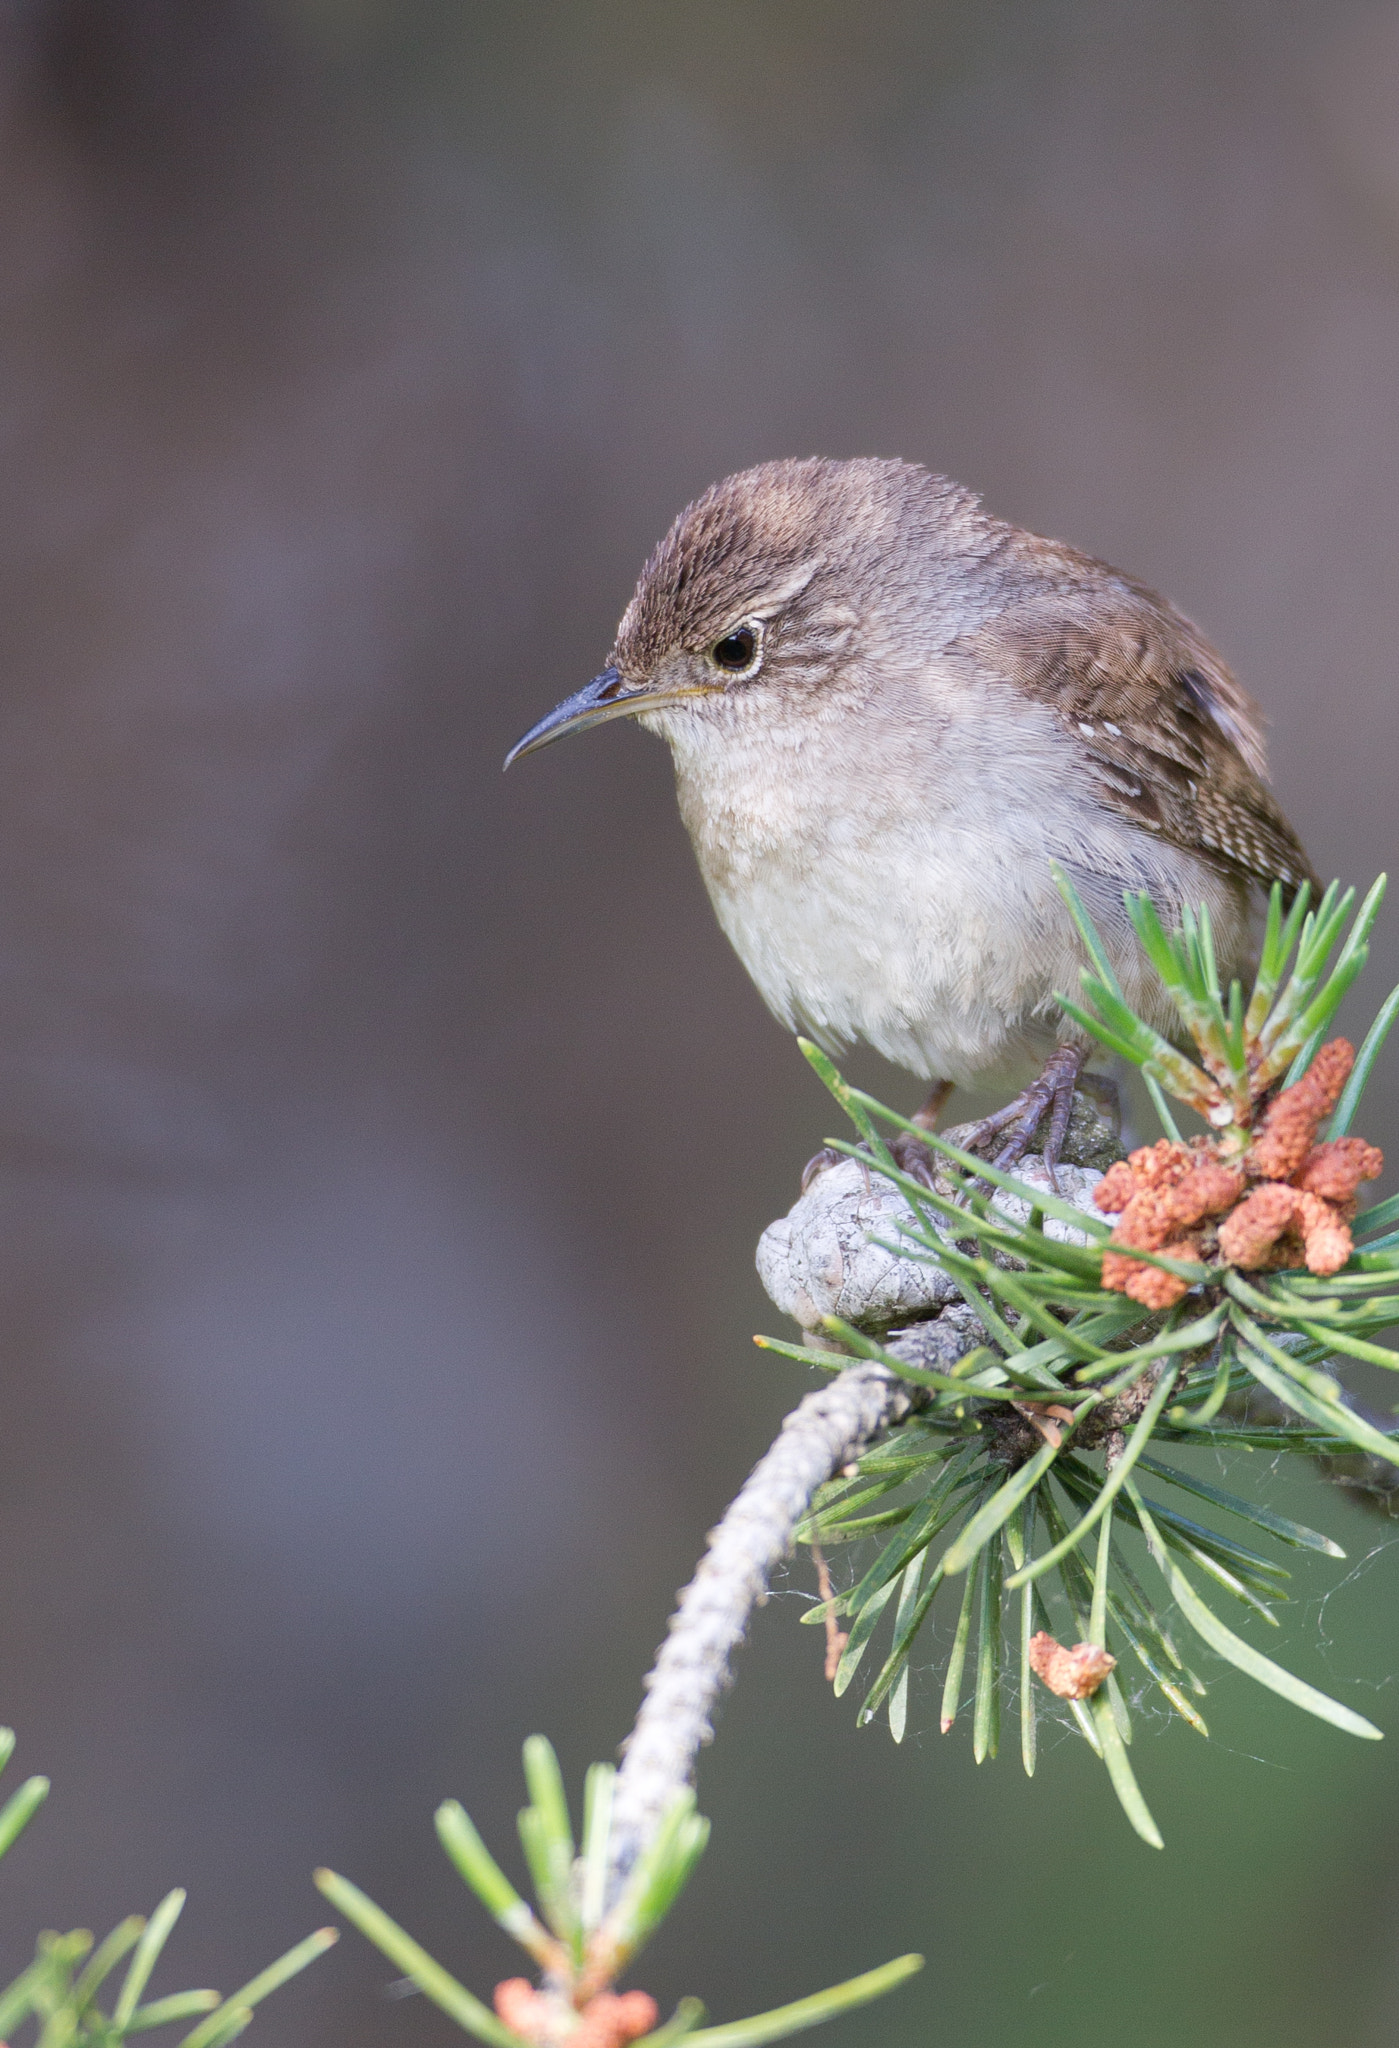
{"x": 1169, "y": 738}
{"x": 889, "y": 712}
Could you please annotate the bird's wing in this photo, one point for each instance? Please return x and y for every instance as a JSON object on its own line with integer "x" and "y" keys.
{"x": 1169, "y": 738}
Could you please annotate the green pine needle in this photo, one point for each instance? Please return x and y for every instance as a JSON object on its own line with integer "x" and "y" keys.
{"x": 971, "y": 1464}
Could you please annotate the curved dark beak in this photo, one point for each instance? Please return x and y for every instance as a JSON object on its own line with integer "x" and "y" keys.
{"x": 606, "y": 696}
{"x": 603, "y": 698}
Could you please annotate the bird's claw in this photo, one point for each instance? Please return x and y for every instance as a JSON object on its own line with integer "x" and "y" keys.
{"x": 913, "y": 1157}
{"x": 1053, "y": 1090}
{"x": 818, "y": 1163}
{"x": 910, "y": 1155}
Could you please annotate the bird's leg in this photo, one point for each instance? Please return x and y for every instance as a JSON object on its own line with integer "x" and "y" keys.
{"x": 1054, "y": 1090}
{"x": 927, "y": 1117}
{"x": 911, "y": 1155}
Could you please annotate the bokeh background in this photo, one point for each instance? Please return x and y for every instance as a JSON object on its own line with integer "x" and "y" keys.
{"x": 385, "y": 1142}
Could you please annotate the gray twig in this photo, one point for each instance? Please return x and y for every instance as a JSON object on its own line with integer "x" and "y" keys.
{"x": 832, "y": 1255}
{"x": 823, "y": 1258}
{"x": 827, "y": 1429}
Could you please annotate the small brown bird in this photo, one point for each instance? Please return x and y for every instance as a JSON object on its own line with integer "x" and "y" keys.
{"x": 889, "y": 712}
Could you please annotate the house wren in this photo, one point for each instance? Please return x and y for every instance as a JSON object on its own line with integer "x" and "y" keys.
{"x": 889, "y": 712}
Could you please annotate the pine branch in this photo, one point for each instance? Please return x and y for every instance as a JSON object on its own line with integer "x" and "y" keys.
{"x": 823, "y": 1433}
{"x": 1004, "y": 1338}
{"x": 599, "y": 1901}
{"x": 1203, "y": 1292}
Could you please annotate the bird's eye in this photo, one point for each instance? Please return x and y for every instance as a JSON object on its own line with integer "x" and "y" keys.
{"x": 738, "y": 652}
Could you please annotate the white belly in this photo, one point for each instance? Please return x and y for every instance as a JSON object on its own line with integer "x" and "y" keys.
{"x": 918, "y": 912}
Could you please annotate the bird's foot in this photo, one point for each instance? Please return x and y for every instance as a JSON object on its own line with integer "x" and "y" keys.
{"x": 910, "y": 1154}
{"x": 913, "y": 1157}
{"x": 818, "y": 1163}
{"x": 1053, "y": 1091}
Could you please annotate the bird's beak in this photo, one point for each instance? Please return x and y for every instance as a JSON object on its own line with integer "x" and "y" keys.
{"x": 606, "y": 696}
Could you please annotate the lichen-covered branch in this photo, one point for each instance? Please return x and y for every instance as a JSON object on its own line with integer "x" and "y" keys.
{"x": 824, "y": 1258}
{"x": 827, "y": 1429}
{"x": 838, "y": 1253}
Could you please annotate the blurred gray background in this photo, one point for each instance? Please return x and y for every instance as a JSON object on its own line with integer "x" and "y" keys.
{"x": 385, "y": 1142}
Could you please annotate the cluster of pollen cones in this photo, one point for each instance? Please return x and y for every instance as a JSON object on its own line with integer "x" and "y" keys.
{"x": 1072, "y": 1674}
{"x": 1285, "y": 1201}
{"x": 610, "y": 2020}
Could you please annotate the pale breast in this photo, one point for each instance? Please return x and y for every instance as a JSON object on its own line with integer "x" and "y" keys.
{"x": 887, "y": 878}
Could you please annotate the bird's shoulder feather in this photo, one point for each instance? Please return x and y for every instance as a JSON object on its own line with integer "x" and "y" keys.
{"x": 1169, "y": 738}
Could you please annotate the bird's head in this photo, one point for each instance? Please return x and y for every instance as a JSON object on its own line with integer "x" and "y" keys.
{"x": 764, "y": 590}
